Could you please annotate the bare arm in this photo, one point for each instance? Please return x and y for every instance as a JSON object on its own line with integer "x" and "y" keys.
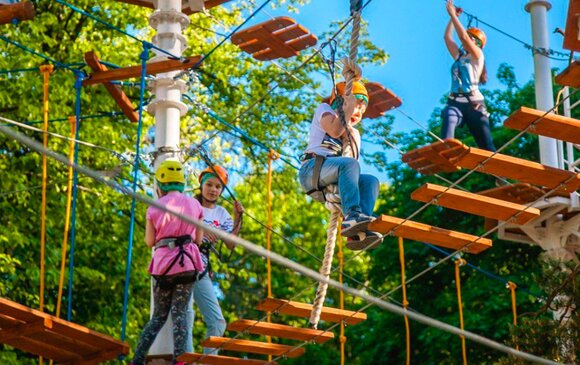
{"x": 466, "y": 41}
{"x": 198, "y": 236}
{"x": 149, "y": 233}
{"x": 331, "y": 123}
{"x": 449, "y": 42}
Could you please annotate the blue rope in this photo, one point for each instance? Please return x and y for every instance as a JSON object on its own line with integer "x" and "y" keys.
{"x": 30, "y": 50}
{"x": 78, "y": 86}
{"x": 144, "y": 57}
{"x": 83, "y": 117}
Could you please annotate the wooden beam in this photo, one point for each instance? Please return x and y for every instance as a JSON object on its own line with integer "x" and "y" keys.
{"x": 254, "y": 347}
{"x": 280, "y": 330}
{"x": 135, "y": 71}
{"x": 551, "y": 125}
{"x": 303, "y": 310}
{"x": 425, "y": 233}
{"x": 115, "y": 90}
{"x": 193, "y": 358}
{"x": 570, "y": 76}
{"x": 21, "y": 11}
{"x": 571, "y": 38}
{"x": 475, "y": 204}
{"x": 24, "y": 329}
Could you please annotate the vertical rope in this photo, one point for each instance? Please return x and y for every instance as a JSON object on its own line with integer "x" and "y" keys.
{"x": 71, "y": 262}
{"x": 326, "y": 266}
{"x": 272, "y": 155}
{"x": 405, "y": 302}
{"x": 512, "y": 287}
{"x": 354, "y": 40}
{"x": 144, "y": 56}
{"x": 341, "y": 267}
{"x": 458, "y": 264}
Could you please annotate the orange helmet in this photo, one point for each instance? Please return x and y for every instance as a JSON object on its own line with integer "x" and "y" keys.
{"x": 219, "y": 171}
{"x": 479, "y": 35}
{"x": 358, "y": 89}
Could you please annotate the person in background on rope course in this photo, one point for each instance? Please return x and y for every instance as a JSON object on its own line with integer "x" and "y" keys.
{"x": 332, "y": 158}
{"x": 212, "y": 182}
{"x": 466, "y": 104}
{"x": 176, "y": 261}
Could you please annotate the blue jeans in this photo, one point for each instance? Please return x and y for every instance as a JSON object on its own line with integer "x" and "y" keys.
{"x": 207, "y": 302}
{"x": 358, "y": 192}
{"x": 456, "y": 114}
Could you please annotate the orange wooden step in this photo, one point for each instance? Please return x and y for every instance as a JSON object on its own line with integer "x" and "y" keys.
{"x": 64, "y": 342}
{"x": 254, "y": 347}
{"x": 280, "y": 331}
{"x": 208, "y": 4}
{"x": 195, "y": 359}
{"x": 381, "y": 100}
{"x": 276, "y": 38}
{"x": 570, "y": 76}
{"x": 153, "y": 68}
{"x": 303, "y": 310}
{"x": 440, "y": 156}
{"x": 425, "y": 233}
{"x": 475, "y": 204}
{"x": 120, "y": 97}
{"x": 571, "y": 39}
{"x": 551, "y": 125}
{"x": 515, "y": 193}
{"x": 21, "y": 11}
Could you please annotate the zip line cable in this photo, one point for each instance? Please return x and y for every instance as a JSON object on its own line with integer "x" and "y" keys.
{"x": 253, "y": 248}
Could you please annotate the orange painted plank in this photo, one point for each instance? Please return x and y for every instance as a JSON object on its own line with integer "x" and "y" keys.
{"x": 184, "y": 7}
{"x": 436, "y": 157}
{"x": 570, "y": 76}
{"x": 303, "y": 310}
{"x": 193, "y": 358}
{"x": 19, "y": 11}
{"x": 254, "y": 347}
{"x": 475, "y": 204}
{"x": 520, "y": 193}
{"x": 425, "y": 233}
{"x": 381, "y": 100}
{"x": 115, "y": 90}
{"x": 551, "y": 125}
{"x": 571, "y": 40}
{"x": 280, "y": 330}
{"x": 135, "y": 71}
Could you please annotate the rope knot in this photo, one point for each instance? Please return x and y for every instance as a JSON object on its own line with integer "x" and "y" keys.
{"x": 351, "y": 70}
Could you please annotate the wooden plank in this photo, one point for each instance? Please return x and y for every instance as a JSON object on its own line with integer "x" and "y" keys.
{"x": 41, "y": 348}
{"x": 193, "y": 358}
{"x": 475, "y": 204}
{"x": 24, "y": 329}
{"x": 303, "y": 310}
{"x": 135, "y": 71}
{"x": 516, "y": 193}
{"x": 115, "y": 90}
{"x": 550, "y": 125}
{"x": 254, "y": 347}
{"x": 21, "y": 11}
{"x": 436, "y": 157}
{"x": 425, "y": 233}
{"x": 184, "y": 8}
{"x": 381, "y": 100}
{"x": 571, "y": 39}
{"x": 570, "y": 76}
{"x": 280, "y": 330}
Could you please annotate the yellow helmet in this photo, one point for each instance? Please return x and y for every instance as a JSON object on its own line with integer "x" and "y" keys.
{"x": 170, "y": 171}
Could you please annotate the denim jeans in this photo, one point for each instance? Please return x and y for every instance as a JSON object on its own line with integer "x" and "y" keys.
{"x": 209, "y": 307}
{"x": 358, "y": 192}
{"x": 456, "y": 114}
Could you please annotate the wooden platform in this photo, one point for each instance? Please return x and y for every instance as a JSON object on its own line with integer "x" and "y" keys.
{"x": 41, "y": 334}
{"x": 550, "y": 125}
{"x": 381, "y": 100}
{"x": 20, "y": 11}
{"x": 276, "y": 38}
{"x": 153, "y": 68}
{"x": 208, "y": 4}
{"x": 451, "y": 153}
{"x": 253, "y": 347}
{"x": 118, "y": 95}
{"x": 571, "y": 39}
{"x": 195, "y": 359}
{"x": 475, "y": 204}
{"x": 280, "y": 331}
{"x": 425, "y": 233}
{"x": 516, "y": 193}
{"x": 303, "y": 310}
{"x": 570, "y": 76}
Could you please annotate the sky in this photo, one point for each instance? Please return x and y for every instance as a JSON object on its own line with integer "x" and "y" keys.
{"x": 411, "y": 32}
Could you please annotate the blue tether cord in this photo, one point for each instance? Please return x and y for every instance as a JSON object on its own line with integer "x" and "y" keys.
{"x": 110, "y": 26}
{"x": 30, "y": 50}
{"x": 83, "y": 117}
{"x": 144, "y": 57}
{"x": 78, "y": 87}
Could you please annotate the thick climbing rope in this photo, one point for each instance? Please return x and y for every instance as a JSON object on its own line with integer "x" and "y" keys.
{"x": 512, "y": 287}
{"x": 46, "y": 70}
{"x": 342, "y": 338}
{"x": 405, "y": 301}
{"x": 458, "y": 263}
{"x": 272, "y": 156}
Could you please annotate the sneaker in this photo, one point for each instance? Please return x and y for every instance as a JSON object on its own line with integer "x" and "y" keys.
{"x": 366, "y": 240}
{"x": 355, "y": 223}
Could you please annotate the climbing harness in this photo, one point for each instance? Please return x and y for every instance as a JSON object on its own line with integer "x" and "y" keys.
{"x": 165, "y": 281}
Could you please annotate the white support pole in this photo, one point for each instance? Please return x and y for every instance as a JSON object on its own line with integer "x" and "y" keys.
{"x": 538, "y": 10}
{"x": 167, "y": 107}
